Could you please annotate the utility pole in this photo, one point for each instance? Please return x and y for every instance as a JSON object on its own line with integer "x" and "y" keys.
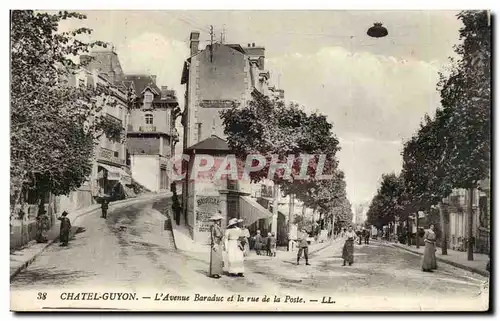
{"x": 223, "y": 34}
{"x": 274, "y": 224}
{"x": 470, "y": 223}
{"x": 417, "y": 236}
{"x": 291, "y": 210}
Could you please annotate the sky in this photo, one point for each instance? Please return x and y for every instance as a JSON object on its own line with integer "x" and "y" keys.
{"x": 374, "y": 91}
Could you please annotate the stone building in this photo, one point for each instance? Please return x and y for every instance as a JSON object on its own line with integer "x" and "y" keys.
{"x": 458, "y": 220}
{"x": 217, "y": 77}
{"x": 151, "y": 131}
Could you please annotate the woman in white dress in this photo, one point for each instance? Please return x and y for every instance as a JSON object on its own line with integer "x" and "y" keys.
{"x": 234, "y": 248}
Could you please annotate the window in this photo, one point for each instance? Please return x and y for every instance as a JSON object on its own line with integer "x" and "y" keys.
{"x": 199, "y": 131}
{"x": 149, "y": 119}
{"x": 148, "y": 98}
{"x": 81, "y": 83}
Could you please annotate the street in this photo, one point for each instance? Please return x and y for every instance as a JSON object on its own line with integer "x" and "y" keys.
{"x": 130, "y": 249}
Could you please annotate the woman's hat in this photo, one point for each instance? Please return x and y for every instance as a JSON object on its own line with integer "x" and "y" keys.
{"x": 232, "y": 221}
{"x": 64, "y": 213}
{"x": 240, "y": 220}
{"x": 216, "y": 217}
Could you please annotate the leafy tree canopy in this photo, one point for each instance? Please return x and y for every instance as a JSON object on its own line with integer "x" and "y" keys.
{"x": 54, "y": 123}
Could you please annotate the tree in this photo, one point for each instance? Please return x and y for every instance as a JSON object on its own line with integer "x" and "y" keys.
{"x": 54, "y": 124}
{"x": 388, "y": 203}
{"x": 466, "y": 93}
{"x": 426, "y": 169}
{"x": 268, "y": 127}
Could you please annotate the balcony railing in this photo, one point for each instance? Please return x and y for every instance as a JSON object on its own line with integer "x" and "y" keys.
{"x": 147, "y": 128}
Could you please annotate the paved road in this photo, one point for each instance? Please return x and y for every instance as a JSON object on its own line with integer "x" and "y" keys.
{"x": 131, "y": 249}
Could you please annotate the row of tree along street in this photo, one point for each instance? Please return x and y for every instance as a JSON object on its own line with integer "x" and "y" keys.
{"x": 270, "y": 127}
{"x": 55, "y": 125}
{"x": 451, "y": 150}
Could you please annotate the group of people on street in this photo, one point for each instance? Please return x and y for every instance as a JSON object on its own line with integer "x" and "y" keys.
{"x": 264, "y": 245}
{"x": 227, "y": 247}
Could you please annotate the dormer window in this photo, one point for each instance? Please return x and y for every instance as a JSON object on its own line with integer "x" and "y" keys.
{"x": 149, "y": 119}
{"x": 148, "y": 100}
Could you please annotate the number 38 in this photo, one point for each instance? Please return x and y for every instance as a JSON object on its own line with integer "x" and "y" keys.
{"x": 41, "y": 296}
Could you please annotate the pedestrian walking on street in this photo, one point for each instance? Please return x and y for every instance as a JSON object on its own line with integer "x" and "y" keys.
{"x": 257, "y": 242}
{"x": 429, "y": 259}
{"x": 104, "y": 208}
{"x": 216, "y": 237}
{"x": 273, "y": 244}
{"x": 348, "y": 250}
{"x": 234, "y": 248}
{"x": 367, "y": 236}
{"x": 65, "y": 229}
{"x": 303, "y": 247}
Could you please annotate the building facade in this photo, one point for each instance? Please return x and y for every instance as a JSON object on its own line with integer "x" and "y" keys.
{"x": 110, "y": 173}
{"x": 151, "y": 131}
{"x": 458, "y": 220}
{"x": 218, "y": 77}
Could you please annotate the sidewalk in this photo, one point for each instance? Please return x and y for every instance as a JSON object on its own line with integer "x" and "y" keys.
{"x": 22, "y": 258}
{"x": 184, "y": 243}
{"x": 455, "y": 258}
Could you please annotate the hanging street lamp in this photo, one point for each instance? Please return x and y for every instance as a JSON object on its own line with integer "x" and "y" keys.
{"x": 377, "y": 31}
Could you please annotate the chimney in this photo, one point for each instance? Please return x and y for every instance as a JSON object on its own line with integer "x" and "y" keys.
{"x": 164, "y": 92}
{"x": 153, "y": 77}
{"x": 194, "y": 41}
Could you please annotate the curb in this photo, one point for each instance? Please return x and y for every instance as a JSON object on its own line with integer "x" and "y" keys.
{"x": 113, "y": 205}
{"x": 455, "y": 264}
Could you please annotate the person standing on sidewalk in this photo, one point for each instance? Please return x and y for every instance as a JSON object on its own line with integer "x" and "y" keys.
{"x": 216, "y": 237}
{"x": 104, "y": 208}
{"x": 366, "y": 236}
{"x": 65, "y": 229}
{"x": 348, "y": 250}
{"x": 234, "y": 248}
{"x": 303, "y": 247}
{"x": 429, "y": 259}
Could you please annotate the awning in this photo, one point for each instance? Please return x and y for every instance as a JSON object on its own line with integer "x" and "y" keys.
{"x": 116, "y": 174}
{"x": 113, "y": 172}
{"x": 251, "y": 211}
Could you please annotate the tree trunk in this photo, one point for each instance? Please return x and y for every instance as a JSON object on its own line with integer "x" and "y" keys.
{"x": 470, "y": 245}
{"x": 333, "y": 225}
{"x": 417, "y": 236}
{"x": 444, "y": 229}
{"x": 408, "y": 230}
{"x": 291, "y": 209}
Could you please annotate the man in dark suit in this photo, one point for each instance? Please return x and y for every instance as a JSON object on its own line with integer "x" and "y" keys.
{"x": 303, "y": 247}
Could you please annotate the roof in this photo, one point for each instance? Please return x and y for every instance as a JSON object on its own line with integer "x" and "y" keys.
{"x": 237, "y": 47}
{"x": 141, "y": 82}
{"x": 213, "y": 143}
{"x": 185, "y": 69}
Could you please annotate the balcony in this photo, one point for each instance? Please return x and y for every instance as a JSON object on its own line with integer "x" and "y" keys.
{"x": 110, "y": 156}
{"x": 147, "y": 128}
